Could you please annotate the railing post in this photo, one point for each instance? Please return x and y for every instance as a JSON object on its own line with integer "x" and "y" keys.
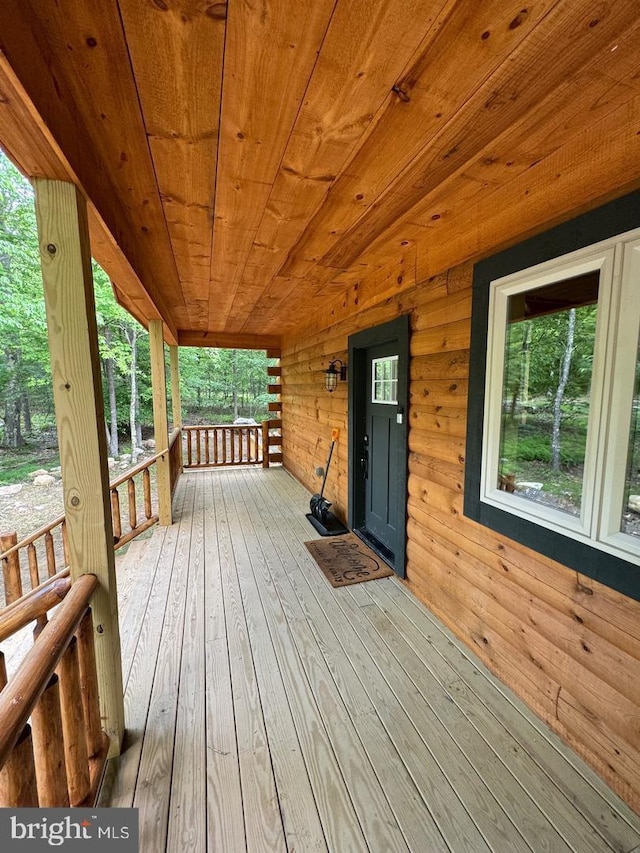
{"x": 160, "y": 425}
{"x": 265, "y": 444}
{"x": 77, "y": 389}
{"x": 11, "y": 568}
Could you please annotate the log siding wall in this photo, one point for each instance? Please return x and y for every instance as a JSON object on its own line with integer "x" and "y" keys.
{"x": 567, "y": 645}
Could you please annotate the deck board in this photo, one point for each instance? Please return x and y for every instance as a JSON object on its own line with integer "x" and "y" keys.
{"x": 270, "y": 712}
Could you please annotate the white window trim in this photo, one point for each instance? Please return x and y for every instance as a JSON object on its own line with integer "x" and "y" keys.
{"x": 615, "y": 353}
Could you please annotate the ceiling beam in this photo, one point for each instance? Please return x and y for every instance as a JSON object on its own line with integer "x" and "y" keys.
{"x": 227, "y": 340}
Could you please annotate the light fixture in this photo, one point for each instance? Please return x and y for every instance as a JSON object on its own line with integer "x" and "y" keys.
{"x": 332, "y": 373}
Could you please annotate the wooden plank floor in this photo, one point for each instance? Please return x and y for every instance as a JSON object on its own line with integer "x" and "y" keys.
{"x": 268, "y": 712}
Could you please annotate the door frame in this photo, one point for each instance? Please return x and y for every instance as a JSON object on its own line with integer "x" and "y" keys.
{"x": 398, "y": 331}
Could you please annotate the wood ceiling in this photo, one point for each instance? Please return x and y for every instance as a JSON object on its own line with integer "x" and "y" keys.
{"x": 249, "y": 164}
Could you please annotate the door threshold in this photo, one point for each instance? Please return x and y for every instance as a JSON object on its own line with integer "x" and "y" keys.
{"x": 376, "y": 545}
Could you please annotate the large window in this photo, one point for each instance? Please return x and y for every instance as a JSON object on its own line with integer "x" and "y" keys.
{"x": 560, "y": 438}
{"x": 553, "y": 441}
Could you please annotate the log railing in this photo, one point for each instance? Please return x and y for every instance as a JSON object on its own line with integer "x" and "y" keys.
{"x": 46, "y": 549}
{"x": 217, "y": 445}
{"x": 137, "y": 521}
{"x": 52, "y": 747}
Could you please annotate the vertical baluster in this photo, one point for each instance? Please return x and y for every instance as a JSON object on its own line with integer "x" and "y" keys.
{"x": 146, "y": 487}
{"x": 75, "y": 744}
{"x": 265, "y": 444}
{"x": 206, "y": 447}
{"x": 11, "y": 568}
{"x": 18, "y": 776}
{"x": 89, "y": 685}
{"x": 50, "y": 551}
{"x": 189, "y": 447}
{"x": 115, "y": 514}
{"x": 215, "y": 445}
{"x": 133, "y": 511}
{"x": 32, "y": 557}
{"x": 48, "y": 743}
{"x": 65, "y": 542}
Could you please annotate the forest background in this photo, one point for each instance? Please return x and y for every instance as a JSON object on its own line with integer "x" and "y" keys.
{"x": 217, "y": 386}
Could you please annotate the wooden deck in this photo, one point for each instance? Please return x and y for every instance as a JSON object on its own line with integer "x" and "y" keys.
{"x": 268, "y": 712}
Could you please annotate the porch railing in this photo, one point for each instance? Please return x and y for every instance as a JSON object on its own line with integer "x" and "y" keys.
{"x": 52, "y": 747}
{"x": 223, "y": 444}
{"x": 46, "y": 549}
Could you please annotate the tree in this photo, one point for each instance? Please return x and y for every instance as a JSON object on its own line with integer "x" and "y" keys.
{"x": 560, "y": 390}
{"x": 25, "y": 383}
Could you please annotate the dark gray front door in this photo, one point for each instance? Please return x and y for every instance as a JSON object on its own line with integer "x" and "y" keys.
{"x": 378, "y": 399}
{"x": 381, "y": 445}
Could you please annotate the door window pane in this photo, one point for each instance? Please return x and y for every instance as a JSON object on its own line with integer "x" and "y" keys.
{"x": 384, "y": 381}
{"x": 548, "y": 363}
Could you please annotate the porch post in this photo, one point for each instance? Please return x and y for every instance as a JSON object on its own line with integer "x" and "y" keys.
{"x": 176, "y": 403}
{"x": 160, "y": 425}
{"x": 77, "y": 390}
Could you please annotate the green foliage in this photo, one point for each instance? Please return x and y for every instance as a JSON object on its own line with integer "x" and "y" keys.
{"x": 535, "y": 446}
{"x": 216, "y": 385}
{"x": 25, "y": 382}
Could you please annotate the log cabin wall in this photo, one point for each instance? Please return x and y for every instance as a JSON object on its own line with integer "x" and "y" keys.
{"x": 567, "y": 645}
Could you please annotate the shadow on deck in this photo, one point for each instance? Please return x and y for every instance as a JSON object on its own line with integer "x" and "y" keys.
{"x": 267, "y": 711}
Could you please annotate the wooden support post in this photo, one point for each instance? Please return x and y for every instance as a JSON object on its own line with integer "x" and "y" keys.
{"x": 77, "y": 389}
{"x": 176, "y": 401}
{"x": 160, "y": 425}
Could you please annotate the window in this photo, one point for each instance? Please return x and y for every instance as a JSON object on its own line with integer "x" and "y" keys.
{"x": 561, "y": 436}
{"x": 384, "y": 380}
{"x": 588, "y": 518}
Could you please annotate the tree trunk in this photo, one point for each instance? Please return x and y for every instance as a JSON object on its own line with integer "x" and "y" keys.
{"x": 562, "y": 384}
{"x": 17, "y": 405}
{"x": 26, "y": 414}
{"x": 109, "y": 370}
{"x": 12, "y": 404}
{"x": 132, "y": 338}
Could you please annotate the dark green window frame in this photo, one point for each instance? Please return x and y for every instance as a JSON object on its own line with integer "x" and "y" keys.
{"x": 614, "y": 218}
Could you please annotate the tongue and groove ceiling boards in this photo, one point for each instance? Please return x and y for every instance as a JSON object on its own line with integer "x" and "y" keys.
{"x": 249, "y": 164}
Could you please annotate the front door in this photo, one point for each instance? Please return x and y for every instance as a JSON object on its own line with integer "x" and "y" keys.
{"x": 378, "y": 438}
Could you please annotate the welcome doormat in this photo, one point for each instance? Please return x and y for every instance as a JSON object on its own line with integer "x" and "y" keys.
{"x": 346, "y": 559}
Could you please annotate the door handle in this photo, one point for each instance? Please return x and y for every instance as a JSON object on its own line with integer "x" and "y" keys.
{"x": 364, "y": 464}
{"x": 364, "y": 459}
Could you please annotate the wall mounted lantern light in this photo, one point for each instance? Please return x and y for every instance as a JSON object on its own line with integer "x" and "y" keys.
{"x": 333, "y": 373}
